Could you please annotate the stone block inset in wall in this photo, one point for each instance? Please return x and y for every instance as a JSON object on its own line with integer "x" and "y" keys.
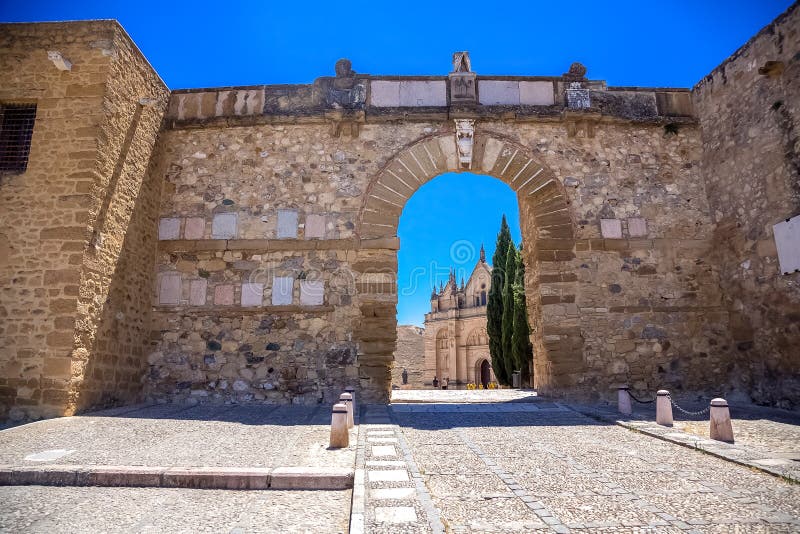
{"x": 224, "y": 226}
{"x": 287, "y": 224}
{"x": 195, "y": 228}
{"x": 384, "y": 94}
{"x": 611, "y": 228}
{"x": 637, "y": 227}
{"x": 197, "y": 292}
{"x": 169, "y": 289}
{"x": 498, "y": 93}
{"x": 423, "y": 93}
{"x": 223, "y": 295}
{"x": 536, "y": 94}
{"x": 169, "y": 228}
{"x": 252, "y": 294}
{"x": 315, "y": 226}
{"x": 787, "y": 241}
{"x": 312, "y": 292}
{"x": 282, "y": 288}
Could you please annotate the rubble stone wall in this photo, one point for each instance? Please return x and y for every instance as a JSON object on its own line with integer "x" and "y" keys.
{"x": 409, "y": 355}
{"x": 749, "y": 111}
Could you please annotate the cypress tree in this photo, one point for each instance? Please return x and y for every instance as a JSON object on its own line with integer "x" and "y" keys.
{"x": 494, "y": 304}
{"x": 508, "y": 309}
{"x": 522, "y": 349}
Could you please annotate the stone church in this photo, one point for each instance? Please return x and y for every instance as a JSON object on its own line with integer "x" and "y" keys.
{"x": 239, "y": 244}
{"x": 456, "y": 343}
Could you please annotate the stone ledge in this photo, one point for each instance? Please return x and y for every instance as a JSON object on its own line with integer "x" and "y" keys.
{"x": 231, "y": 478}
{"x": 279, "y": 245}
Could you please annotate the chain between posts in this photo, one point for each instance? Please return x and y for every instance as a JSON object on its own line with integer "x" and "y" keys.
{"x": 686, "y": 412}
{"x": 638, "y": 400}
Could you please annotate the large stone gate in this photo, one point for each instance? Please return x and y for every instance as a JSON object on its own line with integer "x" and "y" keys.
{"x": 256, "y": 257}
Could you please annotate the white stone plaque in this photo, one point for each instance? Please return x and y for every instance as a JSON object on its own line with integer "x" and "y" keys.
{"x": 252, "y": 294}
{"x": 169, "y": 290}
{"x": 224, "y": 226}
{"x": 536, "y": 93}
{"x": 315, "y": 226}
{"x": 169, "y": 228}
{"x": 282, "y": 290}
{"x": 611, "y": 228}
{"x": 385, "y": 94}
{"x": 197, "y": 292}
{"x": 287, "y": 224}
{"x": 498, "y": 93}
{"x": 423, "y": 93}
{"x": 637, "y": 227}
{"x": 787, "y": 240}
{"x": 312, "y": 292}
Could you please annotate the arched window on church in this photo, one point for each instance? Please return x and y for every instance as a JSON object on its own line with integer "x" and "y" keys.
{"x": 483, "y": 298}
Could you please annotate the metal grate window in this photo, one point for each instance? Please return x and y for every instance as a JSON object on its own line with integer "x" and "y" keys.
{"x": 16, "y": 129}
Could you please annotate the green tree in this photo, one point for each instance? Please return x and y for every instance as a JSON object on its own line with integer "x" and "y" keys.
{"x": 521, "y": 348}
{"x": 508, "y": 309}
{"x": 494, "y": 304}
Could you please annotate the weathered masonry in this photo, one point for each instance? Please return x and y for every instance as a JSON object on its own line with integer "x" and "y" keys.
{"x": 239, "y": 244}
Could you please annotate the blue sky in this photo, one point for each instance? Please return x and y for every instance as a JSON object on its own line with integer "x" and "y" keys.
{"x": 632, "y": 42}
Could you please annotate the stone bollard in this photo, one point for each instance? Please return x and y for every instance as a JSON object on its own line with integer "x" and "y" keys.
{"x": 720, "y": 427}
{"x": 352, "y": 391}
{"x": 340, "y": 437}
{"x": 663, "y": 408}
{"x": 347, "y": 400}
{"x": 624, "y": 400}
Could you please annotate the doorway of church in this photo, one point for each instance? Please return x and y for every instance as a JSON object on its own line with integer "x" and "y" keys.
{"x": 485, "y": 373}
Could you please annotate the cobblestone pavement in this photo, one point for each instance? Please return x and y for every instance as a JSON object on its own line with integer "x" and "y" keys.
{"x": 765, "y": 438}
{"x": 180, "y": 436}
{"x": 122, "y": 510}
{"x": 540, "y": 466}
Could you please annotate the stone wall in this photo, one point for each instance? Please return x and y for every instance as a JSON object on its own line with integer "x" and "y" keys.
{"x": 409, "y": 355}
{"x": 63, "y": 221}
{"x": 749, "y": 110}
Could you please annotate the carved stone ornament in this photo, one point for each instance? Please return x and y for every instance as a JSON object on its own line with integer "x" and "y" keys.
{"x": 577, "y": 96}
{"x": 465, "y": 135}
{"x": 461, "y": 62}
{"x": 346, "y": 90}
{"x": 577, "y": 71}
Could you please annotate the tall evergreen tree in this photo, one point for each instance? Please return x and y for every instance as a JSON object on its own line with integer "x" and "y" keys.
{"x": 508, "y": 309}
{"x": 521, "y": 347}
{"x": 494, "y": 304}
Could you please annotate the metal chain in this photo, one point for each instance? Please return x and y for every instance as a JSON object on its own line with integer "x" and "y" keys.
{"x": 639, "y": 401}
{"x": 675, "y": 404}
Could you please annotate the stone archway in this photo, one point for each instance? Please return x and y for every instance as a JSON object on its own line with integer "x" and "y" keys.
{"x": 484, "y": 373}
{"x": 547, "y": 231}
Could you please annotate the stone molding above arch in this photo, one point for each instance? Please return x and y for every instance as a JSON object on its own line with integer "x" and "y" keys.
{"x": 411, "y": 168}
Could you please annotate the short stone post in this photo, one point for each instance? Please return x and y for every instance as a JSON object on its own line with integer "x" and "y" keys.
{"x": 340, "y": 437}
{"x": 720, "y": 427}
{"x": 663, "y": 408}
{"x": 347, "y": 400}
{"x": 352, "y": 391}
{"x": 624, "y": 400}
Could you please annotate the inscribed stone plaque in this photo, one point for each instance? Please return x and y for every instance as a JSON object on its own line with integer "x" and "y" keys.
{"x": 385, "y": 94}
{"x": 423, "y": 93}
{"x": 315, "y": 226}
{"x": 223, "y": 295}
{"x": 637, "y": 227}
{"x": 287, "y": 224}
{"x": 611, "y": 228}
{"x": 252, "y": 294}
{"x": 195, "y": 228}
{"x": 282, "y": 287}
{"x": 169, "y": 290}
{"x": 224, "y": 226}
{"x": 197, "y": 292}
{"x": 312, "y": 292}
{"x": 169, "y": 228}
{"x": 498, "y": 93}
{"x": 787, "y": 240}
{"x": 536, "y": 93}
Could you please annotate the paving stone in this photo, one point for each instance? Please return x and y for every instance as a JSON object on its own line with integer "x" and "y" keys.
{"x": 392, "y": 493}
{"x": 395, "y": 514}
{"x": 388, "y": 475}
{"x": 383, "y": 450}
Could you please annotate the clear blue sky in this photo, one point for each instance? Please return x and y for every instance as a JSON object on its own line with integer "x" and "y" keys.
{"x": 632, "y": 42}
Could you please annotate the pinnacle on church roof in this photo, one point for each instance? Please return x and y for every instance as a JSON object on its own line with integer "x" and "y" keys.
{"x": 483, "y": 254}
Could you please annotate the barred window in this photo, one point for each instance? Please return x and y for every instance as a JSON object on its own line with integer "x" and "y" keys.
{"x": 16, "y": 129}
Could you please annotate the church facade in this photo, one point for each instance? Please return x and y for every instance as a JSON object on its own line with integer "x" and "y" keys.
{"x": 456, "y": 343}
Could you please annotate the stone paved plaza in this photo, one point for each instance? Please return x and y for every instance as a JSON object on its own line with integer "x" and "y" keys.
{"x": 434, "y": 461}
